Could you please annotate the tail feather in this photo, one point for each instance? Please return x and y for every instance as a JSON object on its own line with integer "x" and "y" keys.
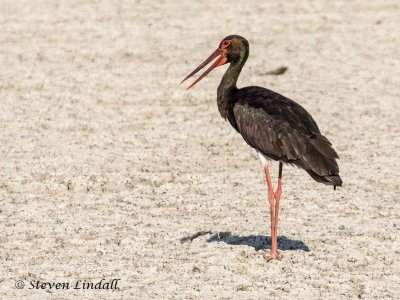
{"x": 334, "y": 180}
{"x": 319, "y": 159}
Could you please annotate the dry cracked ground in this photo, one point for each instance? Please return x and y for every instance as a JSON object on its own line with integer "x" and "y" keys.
{"x": 110, "y": 169}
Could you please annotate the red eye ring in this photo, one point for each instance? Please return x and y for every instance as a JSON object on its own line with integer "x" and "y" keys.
{"x": 225, "y": 44}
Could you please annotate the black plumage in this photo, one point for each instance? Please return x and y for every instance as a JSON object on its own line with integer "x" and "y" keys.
{"x": 277, "y": 127}
{"x": 283, "y": 130}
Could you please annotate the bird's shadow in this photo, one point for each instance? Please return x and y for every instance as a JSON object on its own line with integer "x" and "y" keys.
{"x": 258, "y": 242}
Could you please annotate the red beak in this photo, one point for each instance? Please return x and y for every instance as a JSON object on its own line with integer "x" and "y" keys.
{"x": 219, "y": 62}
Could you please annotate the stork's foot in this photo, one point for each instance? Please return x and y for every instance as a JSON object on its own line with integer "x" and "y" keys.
{"x": 268, "y": 256}
{"x": 272, "y": 255}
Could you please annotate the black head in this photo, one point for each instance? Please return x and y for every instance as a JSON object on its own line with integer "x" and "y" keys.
{"x": 236, "y": 46}
{"x": 232, "y": 49}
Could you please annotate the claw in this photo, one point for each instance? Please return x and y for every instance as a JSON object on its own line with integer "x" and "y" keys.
{"x": 271, "y": 256}
{"x": 268, "y": 257}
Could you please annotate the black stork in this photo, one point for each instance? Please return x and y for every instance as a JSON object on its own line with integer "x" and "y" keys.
{"x": 276, "y": 127}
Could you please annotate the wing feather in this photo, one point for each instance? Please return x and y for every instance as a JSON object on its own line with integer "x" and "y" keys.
{"x": 278, "y": 139}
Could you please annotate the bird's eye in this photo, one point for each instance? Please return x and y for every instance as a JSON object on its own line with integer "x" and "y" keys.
{"x": 225, "y": 43}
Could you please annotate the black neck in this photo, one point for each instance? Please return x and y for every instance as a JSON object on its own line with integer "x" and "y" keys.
{"x": 227, "y": 86}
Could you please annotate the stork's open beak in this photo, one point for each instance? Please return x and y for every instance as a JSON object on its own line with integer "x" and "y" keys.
{"x": 219, "y": 62}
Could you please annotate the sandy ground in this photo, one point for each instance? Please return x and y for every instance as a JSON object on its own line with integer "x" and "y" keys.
{"x": 108, "y": 165}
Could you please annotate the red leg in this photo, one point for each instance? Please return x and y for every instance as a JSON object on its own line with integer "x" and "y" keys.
{"x": 271, "y": 197}
{"x": 278, "y": 194}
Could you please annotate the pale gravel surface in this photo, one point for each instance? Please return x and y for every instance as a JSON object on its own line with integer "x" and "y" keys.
{"x": 107, "y": 163}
